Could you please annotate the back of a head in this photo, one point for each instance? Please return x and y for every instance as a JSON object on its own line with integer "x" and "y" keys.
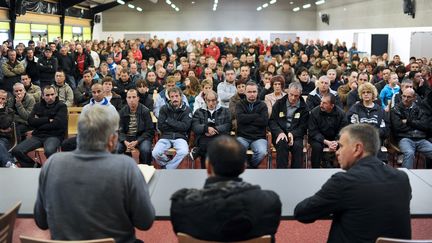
{"x": 227, "y": 156}
{"x": 95, "y": 125}
{"x": 366, "y": 134}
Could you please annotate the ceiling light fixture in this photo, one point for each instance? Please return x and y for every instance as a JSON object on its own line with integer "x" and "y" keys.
{"x": 172, "y": 5}
{"x": 215, "y": 5}
{"x": 168, "y": 2}
{"x": 121, "y": 2}
{"x": 139, "y": 9}
{"x": 320, "y": 2}
{"x": 272, "y": 2}
{"x": 296, "y": 9}
{"x": 265, "y": 5}
{"x": 131, "y": 5}
{"x": 259, "y": 8}
{"x": 307, "y": 5}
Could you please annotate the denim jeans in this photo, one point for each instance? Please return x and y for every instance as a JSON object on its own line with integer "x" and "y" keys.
{"x": 181, "y": 147}
{"x": 409, "y": 147}
{"x": 258, "y": 147}
{"x": 4, "y": 154}
{"x": 70, "y": 79}
{"x": 50, "y": 145}
{"x": 144, "y": 151}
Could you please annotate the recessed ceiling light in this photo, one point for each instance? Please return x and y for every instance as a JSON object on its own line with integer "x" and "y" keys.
{"x": 265, "y": 5}
{"x": 296, "y": 9}
{"x": 272, "y": 1}
{"x": 307, "y": 5}
{"x": 193, "y": 2}
{"x": 139, "y": 9}
{"x": 177, "y": 9}
{"x": 120, "y": 1}
{"x": 131, "y": 5}
{"x": 173, "y": 5}
{"x": 291, "y": 3}
{"x": 320, "y": 2}
{"x": 259, "y": 8}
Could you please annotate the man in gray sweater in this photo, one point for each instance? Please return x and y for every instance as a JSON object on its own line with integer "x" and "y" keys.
{"x": 90, "y": 193}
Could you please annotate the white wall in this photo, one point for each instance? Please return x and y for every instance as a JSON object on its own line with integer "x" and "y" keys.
{"x": 399, "y": 39}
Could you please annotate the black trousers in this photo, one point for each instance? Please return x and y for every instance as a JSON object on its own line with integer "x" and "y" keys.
{"x": 282, "y": 152}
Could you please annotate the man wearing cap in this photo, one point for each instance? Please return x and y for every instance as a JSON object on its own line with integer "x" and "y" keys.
{"x": 47, "y": 68}
{"x": 227, "y": 208}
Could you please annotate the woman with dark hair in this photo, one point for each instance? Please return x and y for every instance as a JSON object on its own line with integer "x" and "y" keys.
{"x": 304, "y": 78}
{"x": 277, "y": 82}
{"x": 143, "y": 93}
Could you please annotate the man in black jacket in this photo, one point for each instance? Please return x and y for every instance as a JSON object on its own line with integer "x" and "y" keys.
{"x": 174, "y": 122}
{"x": 136, "y": 128}
{"x": 47, "y": 68}
{"x": 49, "y": 119}
{"x": 209, "y": 123}
{"x": 252, "y": 121}
{"x": 67, "y": 64}
{"x": 410, "y": 125}
{"x": 325, "y": 122}
{"x": 369, "y": 200}
{"x": 288, "y": 124}
{"x": 31, "y": 66}
{"x": 227, "y": 208}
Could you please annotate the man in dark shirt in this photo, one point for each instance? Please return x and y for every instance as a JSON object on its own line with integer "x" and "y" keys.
{"x": 369, "y": 200}
{"x": 227, "y": 208}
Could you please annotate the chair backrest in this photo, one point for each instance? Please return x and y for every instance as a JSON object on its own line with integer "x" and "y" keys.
{"x": 72, "y": 124}
{"x": 393, "y": 240}
{"x": 185, "y": 238}
{"x": 7, "y": 224}
{"x": 75, "y": 109}
{"x": 26, "y": 239}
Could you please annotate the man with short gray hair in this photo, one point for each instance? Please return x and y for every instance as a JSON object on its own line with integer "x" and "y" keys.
{"x": 369, "y": 200}
{"x": 91, "y": 179}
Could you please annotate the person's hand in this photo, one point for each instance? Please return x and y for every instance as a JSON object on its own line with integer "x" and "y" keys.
{"x": 281, "y": 136}
{"x": 212, "y": 131}
{"x": 51, "y": 120}
{"x": 267, "y": 86}
{"x": 126, "y": 143}
{"x": 404, "y": 121}
{"x": 290, "y": 139}
{"x": 421, "y": 82}
{"x": 19, "y": 98}
{"x": 333, "y": 145}
{"x": 133, "y": 144}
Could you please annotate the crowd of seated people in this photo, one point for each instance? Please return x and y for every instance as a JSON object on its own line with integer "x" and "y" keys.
{"x": 269, "y": 94}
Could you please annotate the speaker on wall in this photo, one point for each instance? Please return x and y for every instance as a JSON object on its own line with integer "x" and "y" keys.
{"x": 409, "y": 7}
{"x": 97, "y": 18}
{"x": 325, "y": 18}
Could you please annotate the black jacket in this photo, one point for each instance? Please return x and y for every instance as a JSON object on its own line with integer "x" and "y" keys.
{"x": 417, "y": 122}
{"x": 323, "y": 125}
{"x": 67, "y": 64}
{"x": 174, "y": 123}
{"x": 47, "y": 69}
{"x": 252, "y": 119}
{"x": 32, "y": 69}
{"x": 220, "y": 120}
{"x": 368, "y": 201}
{"x": 278, "y": 120}
{"x": 147, "y": 100}
{"x": 227, "y": 209}
{"x": 6, "y": 120}
{"x": 145, "y": 128}
{"x": 121, "y": 88}
{"x": 42, "y": 113}
{"x": 374, "y": 116}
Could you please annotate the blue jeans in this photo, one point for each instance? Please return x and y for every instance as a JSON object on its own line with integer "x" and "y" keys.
{"x": 259, "y": 148}
{"x": 71, "y": 81}
{"x": 144, "y": 151}
{"x": 409, "y": 147}
{"x": 4, "y": 153}
{"x": 181, "y": 147}
{"x": 50, "y": 145}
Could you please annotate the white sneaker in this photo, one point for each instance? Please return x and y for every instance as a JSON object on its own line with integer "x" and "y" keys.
{"x": 10, "y": 165}
{"x": 400, "y": 159}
